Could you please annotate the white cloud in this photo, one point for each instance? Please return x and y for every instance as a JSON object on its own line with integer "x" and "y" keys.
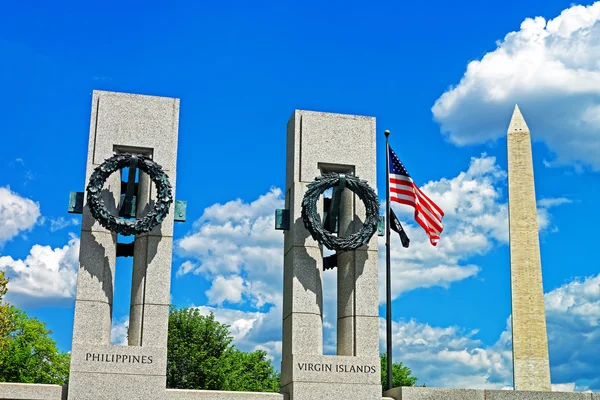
{"x": 17, "y": 214}
{"x": 45, "y": 274}
{"x": 552, "y": 202}
{"x": 273, "y": 350}
{"x": 226, "y": 289}
{"x": 449, "y": 357}
{"x": 563, "y": 387}
{"x": 233, "y": 239}
{"x": 240, "y": 322}
{"x": 550, "y": 69}
{"x": 573, "y": 317}
{"x": 544, "y": 217}
{"x": 61, "y": 223}
{"x": 119, "y": 332}
{"x": 476, "y": 219}
{"x": 186, "y": 267}
{"x": 453, "y": 357}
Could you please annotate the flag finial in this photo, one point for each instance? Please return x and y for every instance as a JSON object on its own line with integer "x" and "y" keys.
{"x": 386, "y": 133}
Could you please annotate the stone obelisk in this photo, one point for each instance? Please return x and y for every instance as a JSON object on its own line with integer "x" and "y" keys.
{"x": 531, "y": 368}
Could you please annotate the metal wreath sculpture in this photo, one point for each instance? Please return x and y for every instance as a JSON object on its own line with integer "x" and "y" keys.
{"x": 106, "y": 219}
{"x": 313, "y": 224}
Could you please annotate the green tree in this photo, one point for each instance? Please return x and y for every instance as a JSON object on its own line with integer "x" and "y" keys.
{"x": 250, "y": 372}
{"x": 30, "y": 355}
{"x": 401, "y": 374}
{"x": 201, "y": 355}
{"x": 3, "y": 287}
{"x": 6, "y": 311}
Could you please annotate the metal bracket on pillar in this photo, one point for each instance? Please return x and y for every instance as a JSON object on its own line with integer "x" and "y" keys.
{"x": 180, "y": 210}
{"x": 282, "y": 219}
{"x": 75, "y": 202}
{"x": 330, "y": 262}
{"x": 76, "y": 205}
{"x": 381, "y": 226}
{"x": 125, "y": 249}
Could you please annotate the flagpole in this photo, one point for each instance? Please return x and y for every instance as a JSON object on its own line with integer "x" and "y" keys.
{"x": 388, "y": 279}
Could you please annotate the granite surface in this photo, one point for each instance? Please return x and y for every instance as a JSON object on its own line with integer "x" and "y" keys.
{"x": 92, "y": 323}
{"x": 302, "y": 334}
{"x": 328, "y": 391}
{"x": 425, "y": 393}
{"x": 30, "y": 391}
{"x": 534, "y": 395}
{"x": 298, "y": 235}
{"x": 96, "y": 272}
{"x": 333, "y": 369}
{"x": 512, "y": 394}
{"x": 178, "y": 394}
{"x": 332, "y": 141}
{"x": 109, "y": 359}
{"x": 133, "y": 121}
{"x": 366, "y": 286}
{"x": 302, "y": 281}
{"x": 101, "y": 386}
{"x": 150, "y": 291}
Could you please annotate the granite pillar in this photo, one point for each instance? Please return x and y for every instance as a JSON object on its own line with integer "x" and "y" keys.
{"x": 318, "y": 143}
{"x": 143, "y": 125}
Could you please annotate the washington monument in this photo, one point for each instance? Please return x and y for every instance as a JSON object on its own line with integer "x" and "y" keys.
{"x": 531, "y": 368}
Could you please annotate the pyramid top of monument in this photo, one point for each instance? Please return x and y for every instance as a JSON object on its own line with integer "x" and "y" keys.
{"x": 517, "y": 122}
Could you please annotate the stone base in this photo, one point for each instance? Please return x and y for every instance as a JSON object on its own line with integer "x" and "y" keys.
{"x": 308, "y": 391}
{"x": 315, "y": 377}
{"x": 528, "y": 395}
{"x": 103, "y": 386}
{"x": 425, "y": 393}
{"x": 32, "y": 391}
{"x": 329, "y": 391}
{"x": 100, "y": 372}
{"x": 182, "y": 394}
{"x": 330, "y": 369}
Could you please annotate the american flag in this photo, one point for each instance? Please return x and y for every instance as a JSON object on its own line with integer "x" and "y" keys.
{"x": 404, "y": 191}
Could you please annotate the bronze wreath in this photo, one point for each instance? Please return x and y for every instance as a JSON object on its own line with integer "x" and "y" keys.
{"x": 129, "y": 227}
{"x": 313, "y": 224}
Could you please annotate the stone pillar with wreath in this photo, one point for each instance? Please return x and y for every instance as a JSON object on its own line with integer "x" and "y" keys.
{"x": 132, "y": 137}
{"x": 330, "y": 235}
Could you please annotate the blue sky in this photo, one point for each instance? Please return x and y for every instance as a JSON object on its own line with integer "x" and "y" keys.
{"x": 443, "y": 78}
